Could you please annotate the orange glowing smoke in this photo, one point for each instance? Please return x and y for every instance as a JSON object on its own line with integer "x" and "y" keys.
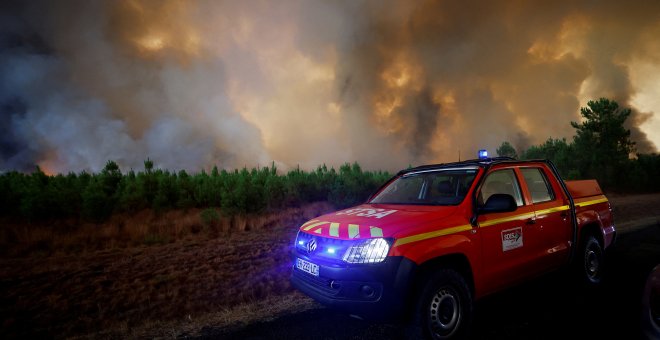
{"x": 243, "y": 83}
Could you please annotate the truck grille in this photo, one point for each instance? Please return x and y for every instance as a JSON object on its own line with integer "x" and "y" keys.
{"x": 328, "y": 249}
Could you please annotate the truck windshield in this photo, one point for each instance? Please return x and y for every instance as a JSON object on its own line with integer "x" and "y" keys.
{"x": 436, "y": 187}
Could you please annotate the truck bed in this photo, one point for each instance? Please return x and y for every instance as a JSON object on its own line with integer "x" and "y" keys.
{"x": 584, "y": 188}
{"x": 592, "y": 205}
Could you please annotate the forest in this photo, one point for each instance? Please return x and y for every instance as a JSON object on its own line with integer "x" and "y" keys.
{"x": 93, "y": 197}
{"x": 601, "y": 149}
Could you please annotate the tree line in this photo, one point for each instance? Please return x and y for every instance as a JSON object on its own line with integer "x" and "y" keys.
{"x": 601, "y": 148}
{"x": 96, "y": 196}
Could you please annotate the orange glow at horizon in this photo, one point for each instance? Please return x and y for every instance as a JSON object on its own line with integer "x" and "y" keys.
{"x": 48, "y": 167}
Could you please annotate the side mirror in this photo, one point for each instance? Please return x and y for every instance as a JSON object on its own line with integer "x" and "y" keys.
{"x": 499, "y": 203}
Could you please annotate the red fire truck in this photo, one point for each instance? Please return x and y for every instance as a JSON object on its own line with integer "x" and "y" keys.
{"x": 435, "y": 238}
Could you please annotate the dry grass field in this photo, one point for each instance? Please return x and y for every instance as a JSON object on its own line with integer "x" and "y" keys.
{"x": 167, "y": 275}
{"x": 121, "y": 278}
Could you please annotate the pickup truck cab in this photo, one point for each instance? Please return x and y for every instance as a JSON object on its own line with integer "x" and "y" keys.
{"x": 435, "y": 238}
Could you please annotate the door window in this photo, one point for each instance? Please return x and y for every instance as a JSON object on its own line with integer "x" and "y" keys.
{"x": 501, "y": 182}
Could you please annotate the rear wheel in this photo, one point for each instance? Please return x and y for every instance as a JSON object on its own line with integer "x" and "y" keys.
{"x": 592, "y": 261}
{"x": 444, "y": 307}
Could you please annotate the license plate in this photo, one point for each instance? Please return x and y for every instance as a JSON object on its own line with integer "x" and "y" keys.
{"x": 307, "y": 267}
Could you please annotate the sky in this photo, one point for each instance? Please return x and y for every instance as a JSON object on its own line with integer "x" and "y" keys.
{"x": 192, "y": 84}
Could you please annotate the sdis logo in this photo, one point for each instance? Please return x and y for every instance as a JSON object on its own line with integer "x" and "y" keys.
{"x": 512, "y": 238}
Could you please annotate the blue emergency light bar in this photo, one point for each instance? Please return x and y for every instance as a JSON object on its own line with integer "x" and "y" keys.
{"x": 483, "y": 154}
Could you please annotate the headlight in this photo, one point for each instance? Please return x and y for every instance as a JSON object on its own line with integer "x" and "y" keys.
{"x": 371, "y": 250}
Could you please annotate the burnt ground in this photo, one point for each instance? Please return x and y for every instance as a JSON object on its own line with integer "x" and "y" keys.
{"x": 552, "y": 306}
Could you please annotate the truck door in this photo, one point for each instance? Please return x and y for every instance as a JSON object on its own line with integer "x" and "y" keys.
{"x": 506, "y": 242}
{"x": 553, "y": 222}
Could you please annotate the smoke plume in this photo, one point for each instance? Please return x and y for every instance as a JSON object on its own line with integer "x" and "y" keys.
{"x": 191, "y": 84}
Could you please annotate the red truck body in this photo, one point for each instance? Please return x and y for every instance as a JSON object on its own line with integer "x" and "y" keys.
{"x": 491, "y": 250}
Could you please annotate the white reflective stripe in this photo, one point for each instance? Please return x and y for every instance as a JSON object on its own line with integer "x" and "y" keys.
{"x": 314, "y": 225}
{"x": 353, "y": 231}
{"x": 308, "y": 223}
{"x": 334, "y": 229}
{"x": 376, "y": 232}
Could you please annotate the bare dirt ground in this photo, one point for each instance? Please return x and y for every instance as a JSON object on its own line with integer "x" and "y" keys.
{"x": 236, "y": 285}
{"x": 148, "y": 290}
{"x": 635, "y": 210}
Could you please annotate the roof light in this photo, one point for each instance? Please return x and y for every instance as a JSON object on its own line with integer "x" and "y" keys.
{"x": 483, "y": 154}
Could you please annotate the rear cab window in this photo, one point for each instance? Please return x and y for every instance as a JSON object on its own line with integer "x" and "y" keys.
{"x": 538, "y": 186}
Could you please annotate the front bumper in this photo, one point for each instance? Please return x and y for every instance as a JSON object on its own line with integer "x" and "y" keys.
{"x": 376, "y": 291}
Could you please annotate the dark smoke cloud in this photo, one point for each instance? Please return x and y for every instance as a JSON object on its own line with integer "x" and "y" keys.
{"x": 386, "y": 83}
{"x": 14, "y": 148}
{"x": 424, "y": 116}
{"x": 90, "y": 95}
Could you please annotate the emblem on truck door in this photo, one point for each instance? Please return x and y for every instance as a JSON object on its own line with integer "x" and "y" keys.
{"x": 512, "y": 239}
{"x": 311, "y": 246}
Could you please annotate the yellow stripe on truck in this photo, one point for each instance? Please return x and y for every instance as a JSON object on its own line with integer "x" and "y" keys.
{"x": 592, "y": 202}
{"x": 454, "y": 230}
{"x": 552, "y": 210}
{"x": 507, "y": 219}
{"x": 432, "y": 234}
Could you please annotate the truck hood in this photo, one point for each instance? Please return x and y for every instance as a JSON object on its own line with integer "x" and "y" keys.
{"x": 374, "y": 220}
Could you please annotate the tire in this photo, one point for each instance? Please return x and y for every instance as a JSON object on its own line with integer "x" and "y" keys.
{"x": 443, "y": 309}
{"x": 591, "y": 261}
{"x": 651, "y": 305}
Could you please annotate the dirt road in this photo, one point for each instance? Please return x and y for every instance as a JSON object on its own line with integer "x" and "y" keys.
{"x": 549, "y": 307}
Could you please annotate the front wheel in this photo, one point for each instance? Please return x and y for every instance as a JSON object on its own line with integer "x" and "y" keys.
{"x": 591, "y": 261}
{"x": 444, "y": 307}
